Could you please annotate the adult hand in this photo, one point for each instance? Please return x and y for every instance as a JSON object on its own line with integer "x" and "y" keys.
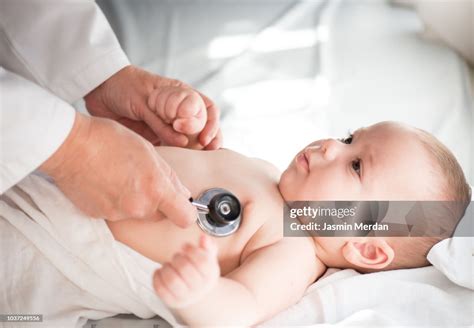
{"x": 108, "y": 171}
{"x": 124, "y": 98}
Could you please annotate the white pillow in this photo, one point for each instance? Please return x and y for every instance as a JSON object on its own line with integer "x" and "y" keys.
{"x": 454, "y": 257}
{"x": 451, "y": 22}
{"x": 448, "y": 21}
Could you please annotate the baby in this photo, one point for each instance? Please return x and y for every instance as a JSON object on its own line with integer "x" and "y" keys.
{"x": 251, "y": 275}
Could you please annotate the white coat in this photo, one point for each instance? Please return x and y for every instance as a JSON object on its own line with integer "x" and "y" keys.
{"x": 52, "y": 53}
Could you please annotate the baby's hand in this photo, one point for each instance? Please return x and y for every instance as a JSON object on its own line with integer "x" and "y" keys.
{"x": 181, "y": 107}
{"x": 189, "y": 276}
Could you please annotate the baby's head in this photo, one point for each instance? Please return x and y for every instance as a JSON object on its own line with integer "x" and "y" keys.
{"x": 386, "y": 161}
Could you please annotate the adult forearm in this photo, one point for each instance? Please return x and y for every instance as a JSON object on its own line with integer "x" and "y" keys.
{"x": 228, "y": 303}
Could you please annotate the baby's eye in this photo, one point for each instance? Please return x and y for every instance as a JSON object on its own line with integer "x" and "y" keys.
{"x": 356, "y": 166}
{"x": 348, "y": 139}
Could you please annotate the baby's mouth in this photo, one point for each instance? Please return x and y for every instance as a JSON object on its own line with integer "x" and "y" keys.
{"x": 303, "y": 161}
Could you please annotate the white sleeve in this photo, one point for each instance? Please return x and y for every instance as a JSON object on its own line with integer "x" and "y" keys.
{"x": 33, "y": 124}
{"x": 66, "y": 46}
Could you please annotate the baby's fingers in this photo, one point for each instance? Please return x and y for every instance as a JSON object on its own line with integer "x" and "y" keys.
{"x": 169, "y": 278}
{"x": 188, "y": 126}
{"x": 191, "y": 105}
{"x": 204, "y": 259}
{"x": 209, "y": 245}
{"x": 188, "y": 272}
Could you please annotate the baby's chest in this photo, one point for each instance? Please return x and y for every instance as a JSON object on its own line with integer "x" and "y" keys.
{"x": 260, "y": 224}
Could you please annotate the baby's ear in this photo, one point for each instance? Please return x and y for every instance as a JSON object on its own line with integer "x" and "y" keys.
{"x": 368, "y": 253}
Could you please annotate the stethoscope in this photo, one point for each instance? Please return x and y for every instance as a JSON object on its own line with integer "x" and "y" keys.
{"x": 218, "y": 212}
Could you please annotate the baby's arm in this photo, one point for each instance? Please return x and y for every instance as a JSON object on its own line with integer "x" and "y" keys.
{"x": 268, "y": 281}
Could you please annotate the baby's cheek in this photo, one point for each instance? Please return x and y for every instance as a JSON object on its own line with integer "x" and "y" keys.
{"x": 341, "y": 192}
{"x": 323, "y": 187}
{"x": 297, "y": 187}
{"x": 311, "y": 192}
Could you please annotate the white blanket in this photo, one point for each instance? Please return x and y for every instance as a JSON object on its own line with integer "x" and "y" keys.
{"x": 414, "y": 297}
{"x": 59, "y": 263}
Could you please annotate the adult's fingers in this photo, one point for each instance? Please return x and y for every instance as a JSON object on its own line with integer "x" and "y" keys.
{"x": 140, "y": 128}
{"x": 216, "y": 143}
{"x": 178, "y": 209}
{"x": 173, "y": 198}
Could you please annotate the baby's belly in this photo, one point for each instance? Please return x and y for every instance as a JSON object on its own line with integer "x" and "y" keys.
{"x": 160, "y": 240}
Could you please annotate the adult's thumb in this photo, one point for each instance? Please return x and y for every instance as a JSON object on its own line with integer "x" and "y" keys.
{"x": 178, "y": 209}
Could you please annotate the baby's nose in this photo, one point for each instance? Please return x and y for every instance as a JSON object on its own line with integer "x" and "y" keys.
{"x": 330, "y": 149}
{"x": 314, "y": 147}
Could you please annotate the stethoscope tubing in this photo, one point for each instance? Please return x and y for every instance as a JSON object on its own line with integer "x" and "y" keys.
{"x": 200, "y": 207}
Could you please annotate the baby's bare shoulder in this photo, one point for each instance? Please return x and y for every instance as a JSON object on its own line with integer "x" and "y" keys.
{"x": 268, "y": 167}
{"x": 256, "y": 167}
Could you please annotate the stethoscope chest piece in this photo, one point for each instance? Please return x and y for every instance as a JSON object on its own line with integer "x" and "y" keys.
{"x": 218, "y": 212}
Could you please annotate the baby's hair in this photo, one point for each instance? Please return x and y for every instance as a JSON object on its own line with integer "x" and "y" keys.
{"x": 453, "y": 187}
{"x": 411, "y": 252}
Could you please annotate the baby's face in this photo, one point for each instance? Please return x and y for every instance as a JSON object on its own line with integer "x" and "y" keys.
{"x": 385, "y": 161}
